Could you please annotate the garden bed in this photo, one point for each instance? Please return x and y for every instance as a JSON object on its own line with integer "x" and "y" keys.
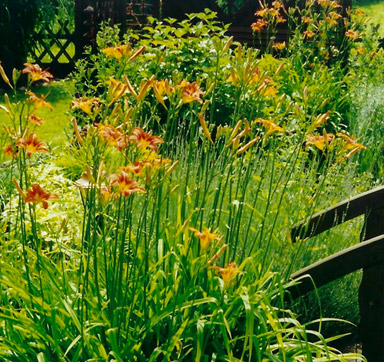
{"x": 159, "y": 229}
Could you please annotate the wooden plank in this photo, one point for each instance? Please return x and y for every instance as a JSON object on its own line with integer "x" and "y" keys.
{"x": 367, "y": 254}
{"x": 335, "y": 215}
{"x": 80, "y": 28}
{"x": 121, "y": 15}
{"x": 371, "y": 296}
{"x": 177, "y": 9}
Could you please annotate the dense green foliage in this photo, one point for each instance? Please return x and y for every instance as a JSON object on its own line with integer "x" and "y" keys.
{"x": 158, "y": 232}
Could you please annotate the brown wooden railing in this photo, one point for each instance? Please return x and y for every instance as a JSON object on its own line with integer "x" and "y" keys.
{"x": 368, "y": 255}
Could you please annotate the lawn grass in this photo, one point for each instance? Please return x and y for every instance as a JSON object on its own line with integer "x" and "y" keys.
{"x": 63, "y": 59}
{"x": 374, "y": 9}
{"x": 53, "y": 131}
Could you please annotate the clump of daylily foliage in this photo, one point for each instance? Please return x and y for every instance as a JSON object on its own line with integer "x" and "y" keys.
{"x": 196, "y": 155}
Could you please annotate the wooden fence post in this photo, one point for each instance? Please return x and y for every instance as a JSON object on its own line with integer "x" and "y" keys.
{"x": 157, "y": 11}
{"x": 121, "y": 15}
{"x": 371, "y": 295}
{"x": 79, "y": 7}
{"x": 84, "y": 25}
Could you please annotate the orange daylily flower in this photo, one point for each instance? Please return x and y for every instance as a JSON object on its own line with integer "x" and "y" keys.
{"x": 106, "y": 194}
{"x": 323, "y": 3}
{"x": 228, "y": 273}
{"x": 262, "y": 12}
{"x": 146, "y": 167}
{"x": 190, "y": 92}
{"x": 122, "y": 51}
{"x": 308, "y": 34}
{"x": 39, "y": 102}
{"x": 335, "y": 5}
{"x": 270, "y": 91}
{"x": 35, "y": 120}
{"x": 113, "y": 136}
{"x": 36, "y": 73}
{"x": 277, "y": 5}
{"x": 267, "y": 88}
{"x": 335, "y": 15}
{"x": 32, "y": 145}
{"x": 352, "y": 34}
{"x": 306, "y": 19}
{"x": 156, "y": 162}
{"x": 10, "y": 151}
{"x": 126, "y": 186}
{"x": 35, "y": 194}
{"x": 259, "y": 25}
{"x": 118, "y": 52}
{"x": 206, "y": 237}
{"x": 137, "y": 168}
{"x": 273, "y": 12}
{"x": 359, "y": 12}
{"x": 271, "y": 127}
{"x": 85, "y": 104}
{"x": 162, "y": 87}
{"x": 351, "y": 144}
{"x": 279, "y": 46}
{"x": 145, "y": 140}
{"x": 320, "y": 141}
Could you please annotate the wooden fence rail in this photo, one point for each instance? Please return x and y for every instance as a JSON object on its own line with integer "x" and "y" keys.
{"x": 368, "y": 255}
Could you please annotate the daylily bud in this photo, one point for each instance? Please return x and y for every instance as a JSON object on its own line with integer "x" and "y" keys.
{"x": 77, "y": 133}
{"x": 204, "y": 127}
{"x": 4, "y": 76}
{"x": 228, "y": 44}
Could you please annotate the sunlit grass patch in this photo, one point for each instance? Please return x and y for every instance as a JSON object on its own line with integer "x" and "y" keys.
{"x": 57, "y": 122}
{"x": 374, "y": 9}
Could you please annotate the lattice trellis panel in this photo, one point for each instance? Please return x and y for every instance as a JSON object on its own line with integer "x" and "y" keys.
{"x": 55, "y": 47}
{"x": 138, "y": 12}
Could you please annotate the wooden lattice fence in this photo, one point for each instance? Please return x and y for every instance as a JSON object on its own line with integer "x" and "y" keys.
{"x": 55, "y": 47}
